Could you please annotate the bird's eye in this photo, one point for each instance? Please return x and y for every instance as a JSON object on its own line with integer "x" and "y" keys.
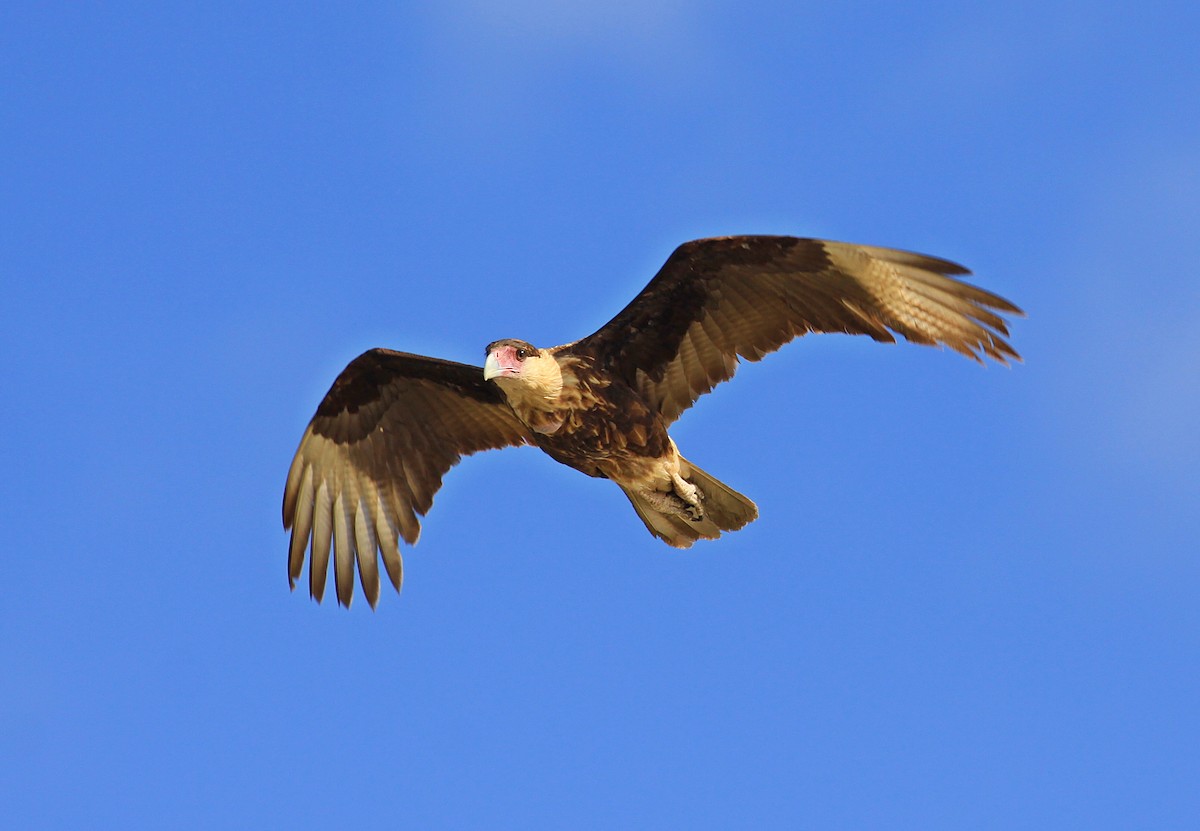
{"x": 522, "y": 354}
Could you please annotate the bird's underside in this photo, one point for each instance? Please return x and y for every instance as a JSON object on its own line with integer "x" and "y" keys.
{"x": 374, "y": 454}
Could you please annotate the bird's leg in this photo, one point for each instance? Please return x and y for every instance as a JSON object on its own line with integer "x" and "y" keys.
{"x": 691, "y": 495}
{"x": 669, "y": 504}
{"x": 684, "y": 499}
{"x": 665, "y": 503}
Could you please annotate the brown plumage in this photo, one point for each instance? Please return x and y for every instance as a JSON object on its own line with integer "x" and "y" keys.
{"x": 391, "y": 426}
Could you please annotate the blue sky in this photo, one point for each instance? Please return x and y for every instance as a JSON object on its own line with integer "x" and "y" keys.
{"x": 970, "y": 600}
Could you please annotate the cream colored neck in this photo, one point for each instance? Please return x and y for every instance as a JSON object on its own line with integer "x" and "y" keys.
{"x": 538, "y": 387}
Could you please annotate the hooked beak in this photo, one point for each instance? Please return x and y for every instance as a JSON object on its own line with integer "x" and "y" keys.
{"x": 492, "y": 368}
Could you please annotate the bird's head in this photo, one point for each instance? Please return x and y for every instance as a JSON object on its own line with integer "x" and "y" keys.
{"x": 521, "y": 369}
{"x": 507, "y": 358}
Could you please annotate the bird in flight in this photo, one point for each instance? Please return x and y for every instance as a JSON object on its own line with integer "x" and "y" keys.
{"x": 392, "y": 424}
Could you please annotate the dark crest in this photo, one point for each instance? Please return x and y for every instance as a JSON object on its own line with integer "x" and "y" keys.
{"x": 531, "y": 351}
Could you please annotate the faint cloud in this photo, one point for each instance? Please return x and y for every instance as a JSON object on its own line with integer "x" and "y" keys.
{"x": 1158, "y": 413}
{"x": 991, "y": 50}
{"x": 547, "y": 23}
{"x": 498, "y": 75}
{"x": 625, "y": 28}
{"x": 1138, "y": 361}
{"x": 507, "y": 48}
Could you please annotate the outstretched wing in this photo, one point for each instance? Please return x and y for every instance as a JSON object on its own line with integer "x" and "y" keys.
{"x": 719, "y": 299}
{"x": 373, "y": 457}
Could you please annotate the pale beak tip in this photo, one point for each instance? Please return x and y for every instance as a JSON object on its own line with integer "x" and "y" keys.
{"x": 491, "y": 367}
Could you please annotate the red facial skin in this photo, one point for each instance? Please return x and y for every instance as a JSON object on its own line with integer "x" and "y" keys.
{"x": 510, "y": 364}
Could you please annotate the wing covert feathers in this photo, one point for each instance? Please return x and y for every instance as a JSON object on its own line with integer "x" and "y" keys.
{"x": 718, "y": 300}
{"x": 373, "y": 457}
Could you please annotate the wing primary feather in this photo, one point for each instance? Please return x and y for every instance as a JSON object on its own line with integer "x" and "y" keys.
{"x": 968, "y": 291}
{"x": 958, "y": 305}
{"x": 904, "y": 258}
{"x": 410, "y": 526}
{"x": 318, "y": 567}
{"x": 368, "y": 558}
{"x": 299, "y": 463}
{"x": 343, "y": 544}
{"x": 303, "y": 500}
{"x": 386, "y": 533}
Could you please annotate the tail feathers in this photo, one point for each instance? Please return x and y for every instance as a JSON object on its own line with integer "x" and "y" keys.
{"x": 724, "y": 509}
{"x": 727, "y": 508}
